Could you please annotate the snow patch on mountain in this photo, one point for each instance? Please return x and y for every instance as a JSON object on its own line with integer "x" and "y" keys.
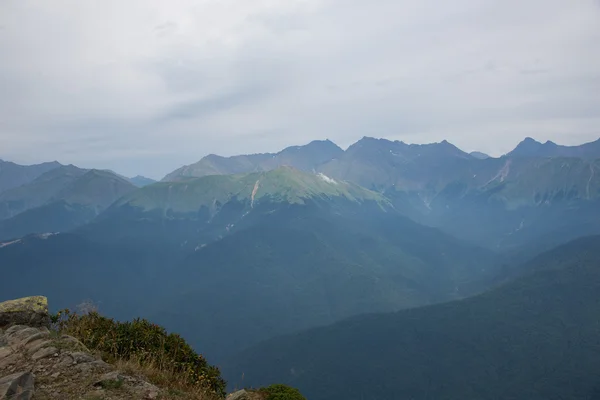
{"x": 327, "y": 179}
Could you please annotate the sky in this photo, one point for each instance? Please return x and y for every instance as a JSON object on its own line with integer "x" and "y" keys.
{"x": 145, "y": 86}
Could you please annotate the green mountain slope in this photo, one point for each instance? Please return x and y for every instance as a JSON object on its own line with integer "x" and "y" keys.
{"x": 13, "y": 175}
{"x": 534, "y": 338}
{"x": 532, "y": 148}
{"x": 301, "y": 267}
{"x": 198, "y": 211}
{"x": 305, "y": 158}
{"x": 284, "y": 184}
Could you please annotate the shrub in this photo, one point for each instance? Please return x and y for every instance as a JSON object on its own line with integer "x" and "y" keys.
{"x": 282, "y": 392}
{"x": 143, "y": 341}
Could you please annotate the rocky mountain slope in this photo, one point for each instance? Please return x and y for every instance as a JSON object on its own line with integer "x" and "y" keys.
{"x": 39, "y": 361}
{"x": 36, "y": 363}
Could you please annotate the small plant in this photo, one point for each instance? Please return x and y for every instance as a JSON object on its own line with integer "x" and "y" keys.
{"x": 282, "y": 392}
{"x": 143, "y": 342}
{"x": 112, "y": 384}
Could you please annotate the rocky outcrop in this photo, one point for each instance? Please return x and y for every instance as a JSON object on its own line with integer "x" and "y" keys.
{"x": 37, "y": 363}
{"x": 30, "y": 311}
{"x": 246, "y": 395}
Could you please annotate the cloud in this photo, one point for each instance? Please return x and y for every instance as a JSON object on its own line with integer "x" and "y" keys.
{"x": 145, "y": 86}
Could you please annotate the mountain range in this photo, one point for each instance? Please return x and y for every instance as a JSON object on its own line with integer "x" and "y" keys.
{"x": 335, "y": 248}
{"x": 447, "y": 248}
{"x": 499, "y": 203}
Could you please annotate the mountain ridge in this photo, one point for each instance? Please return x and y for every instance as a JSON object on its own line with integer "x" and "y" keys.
{"x": 531, "y": 338}
{"x": 305, "y": 157}
{"x": 530, "y": 147}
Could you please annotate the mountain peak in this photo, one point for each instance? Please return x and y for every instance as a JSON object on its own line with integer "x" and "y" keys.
{"x": 532, "y": 148}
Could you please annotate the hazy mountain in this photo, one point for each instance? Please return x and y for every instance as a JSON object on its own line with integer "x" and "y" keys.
{"x": 305, "y": 266}
{"x": 141, "y": 181}
{"x": 59, "y": 200}
{"x": 532, "y": 148}
{"x": 495, "y": 202}
{"x": 508, "y": 202}
{"x": 13, "y": 175}
{"x": 202, "y": 209}
{"x": 380, "y": 163}
{"x": 305, "y": 158}
{"x": 479, "y": 155}
{"x": 533, "y": 338}
{"x": 38, "y": 192}
{"x": 277, "y": 251}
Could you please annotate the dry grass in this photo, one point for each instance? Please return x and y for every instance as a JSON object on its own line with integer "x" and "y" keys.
{"x": 141, "y": 348}
{"x": 170, "y": 381}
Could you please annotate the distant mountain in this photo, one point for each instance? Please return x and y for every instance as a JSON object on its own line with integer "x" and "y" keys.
{"x": 277, "y": 251}
{"x": 501, "y": 203}
{"x": 59, "y": 200}
{"x": 379, "y": 163}
{"x": 141, "y": 181}
{"x": 532, "y": 148}
{"x": 535, "y": 338}
{"x": 479, "y": 155}
{"x": 305, "y": 158}
{"x": 38, "y": 192}
{"x": 509, "y": 202}
{"x": 13, "y": 175}
{"x": 199, "y": 210}
{"x": 495, "y": 202}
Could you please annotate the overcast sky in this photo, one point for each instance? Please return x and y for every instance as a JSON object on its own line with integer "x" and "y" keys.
{"x": 145, "y": 86}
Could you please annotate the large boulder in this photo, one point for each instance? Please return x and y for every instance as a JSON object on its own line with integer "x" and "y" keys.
{"x": 30, "y": 311}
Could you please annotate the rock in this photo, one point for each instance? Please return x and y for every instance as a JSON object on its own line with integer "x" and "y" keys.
{"x": 109, "y": 378}
{"x": 34, "y": 347}
{"x": 44, "y": 353}
{"x": 31, "y": 311}
{"x": 16, "y": 338}
{"x": 9, "y": 360}
{"x": 80, "y": 357}
{"x": 239, "y": 395}
{"x": 19, "y": 386}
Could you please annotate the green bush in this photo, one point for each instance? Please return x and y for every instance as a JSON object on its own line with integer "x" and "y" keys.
{"x": 282, "y": 392}
{"x": 143, "y": 341}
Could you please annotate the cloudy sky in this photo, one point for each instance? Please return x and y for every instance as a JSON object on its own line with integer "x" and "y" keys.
{"x": 145, "y": 86}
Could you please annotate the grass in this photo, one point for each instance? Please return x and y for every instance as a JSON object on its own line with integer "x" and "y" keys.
{"x": 142, "y": 349}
